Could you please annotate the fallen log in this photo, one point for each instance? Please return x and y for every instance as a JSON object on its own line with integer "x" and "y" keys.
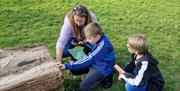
{"x": 29, "y": 69}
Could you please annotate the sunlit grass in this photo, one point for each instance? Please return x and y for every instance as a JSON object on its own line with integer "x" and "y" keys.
{"x": 26, "y": 22}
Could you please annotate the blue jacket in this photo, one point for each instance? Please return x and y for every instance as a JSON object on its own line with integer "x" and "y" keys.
{"x": 102, "y": 58}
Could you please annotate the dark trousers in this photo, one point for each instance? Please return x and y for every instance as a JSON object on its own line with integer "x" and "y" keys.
{"x": 94, "y": 79}
{"x": 91, "y": 81}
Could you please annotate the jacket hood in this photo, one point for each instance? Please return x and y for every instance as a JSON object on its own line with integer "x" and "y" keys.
{"x": 148, "y": 57}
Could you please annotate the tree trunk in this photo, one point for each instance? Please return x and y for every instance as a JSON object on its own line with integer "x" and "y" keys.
{"x": 29, "y": 69}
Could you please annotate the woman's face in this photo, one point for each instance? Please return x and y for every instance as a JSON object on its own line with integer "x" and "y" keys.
{"x": 79, "y": 21}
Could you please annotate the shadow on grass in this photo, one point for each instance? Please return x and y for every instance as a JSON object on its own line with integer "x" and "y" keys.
{"x": 71, "y": 82}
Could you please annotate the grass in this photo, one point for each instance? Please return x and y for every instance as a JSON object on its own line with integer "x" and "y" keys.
{"x": 27, "y": 22}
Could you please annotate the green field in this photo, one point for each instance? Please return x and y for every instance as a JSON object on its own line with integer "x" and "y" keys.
{"x": 27, "y": 22}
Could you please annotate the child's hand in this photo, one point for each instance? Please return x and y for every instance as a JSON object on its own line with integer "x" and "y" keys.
{"x": 61, "y": 66}
{"x": 85, "y": 41}
{"x": 120, "y": 76}
{"x": 119, "y": 69}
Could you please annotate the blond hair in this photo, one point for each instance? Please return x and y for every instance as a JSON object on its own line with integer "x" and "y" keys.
{"x": 93, "y": 29}
{"x": 80, "y": 11}
{"x": 138, "y": 43}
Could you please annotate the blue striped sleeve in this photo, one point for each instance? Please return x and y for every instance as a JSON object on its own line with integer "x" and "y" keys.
{"x": 96, "y": 55}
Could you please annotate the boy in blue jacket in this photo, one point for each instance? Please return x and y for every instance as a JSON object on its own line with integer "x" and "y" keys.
{"x": 100, "y": 61}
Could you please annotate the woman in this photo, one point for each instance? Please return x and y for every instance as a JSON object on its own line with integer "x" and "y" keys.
{"x": 72, "y": 35}
{"x": 72, "y": 31}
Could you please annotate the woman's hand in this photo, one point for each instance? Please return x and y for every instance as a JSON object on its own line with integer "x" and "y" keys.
{"x": 74, "y": 43}
{"x": 58, "y": 63}
{"x": 80, "y": 43}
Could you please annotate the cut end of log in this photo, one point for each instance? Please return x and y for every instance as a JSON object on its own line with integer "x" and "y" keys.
{"x": 29, "y": 69}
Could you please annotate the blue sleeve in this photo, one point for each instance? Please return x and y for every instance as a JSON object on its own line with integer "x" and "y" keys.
{"x": 99, "y": 53}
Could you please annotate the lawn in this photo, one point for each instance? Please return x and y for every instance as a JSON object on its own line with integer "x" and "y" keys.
{"x": 27, "y": 22}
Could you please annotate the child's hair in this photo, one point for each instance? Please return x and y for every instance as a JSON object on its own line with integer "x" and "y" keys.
{"x": 138, "y": 43}
{"x": 80, "y": 11}
{"x": 93, "y": 29}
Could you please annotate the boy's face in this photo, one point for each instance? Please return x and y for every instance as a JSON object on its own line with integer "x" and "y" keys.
{"x": 130, "y": 49}
{"x": 92, "y": 40}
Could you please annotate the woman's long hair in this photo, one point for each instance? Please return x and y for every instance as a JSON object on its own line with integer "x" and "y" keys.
{"x": 80, "y": 11}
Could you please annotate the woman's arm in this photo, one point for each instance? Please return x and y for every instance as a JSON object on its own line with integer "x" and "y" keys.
{"x": 59, "y": 53}
{"x": 65, "y": 35}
